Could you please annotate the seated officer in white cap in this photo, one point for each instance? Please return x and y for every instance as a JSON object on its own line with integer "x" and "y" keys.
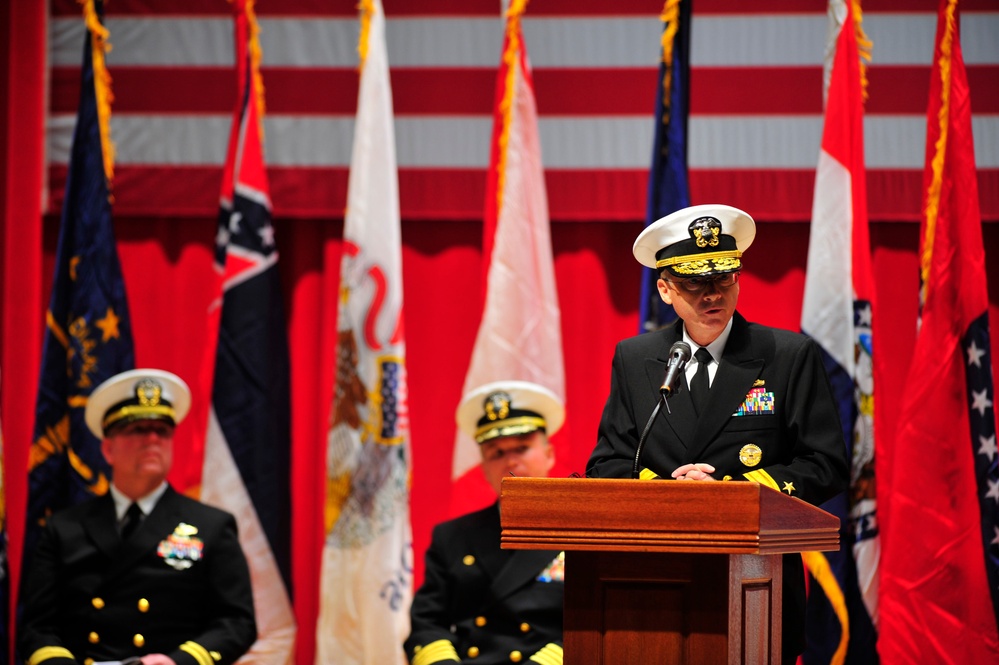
{"x": 758, "y": 407}
{"x": 142, "y": 571}
{"x": 480, "y": 603}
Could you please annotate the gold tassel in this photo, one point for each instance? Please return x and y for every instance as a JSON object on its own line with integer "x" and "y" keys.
{"x": 256, "y": 53}
{"x": 367, "y": 9}
{"x": 513, "y": 16}
{"x": 940, "y": 149}
{"x": 100, "y": 45}
{"x": 864, "y": 45}
{"x": 671, "y": 17}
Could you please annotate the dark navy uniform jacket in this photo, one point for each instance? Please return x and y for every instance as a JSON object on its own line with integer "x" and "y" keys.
{"x": 770, "y": 417}
{"x": 483, "y": 604}
{"x": 180, "y": 586}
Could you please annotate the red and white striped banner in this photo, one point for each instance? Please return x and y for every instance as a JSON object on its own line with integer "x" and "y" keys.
{"x": 755, "y": 109}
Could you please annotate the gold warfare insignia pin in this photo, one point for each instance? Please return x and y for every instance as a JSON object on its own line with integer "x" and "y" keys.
{"x": 750, "y": 454}
{"x": 759, "y": 382}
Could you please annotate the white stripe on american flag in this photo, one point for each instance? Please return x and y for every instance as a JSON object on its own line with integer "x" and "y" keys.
{"x": 752, "y": 142}
{"x": 756, "y": 104}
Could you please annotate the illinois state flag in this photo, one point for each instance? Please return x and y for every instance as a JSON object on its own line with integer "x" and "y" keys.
{"x": 248, "y": 440}
{"x": 669, "y": 190}
{"x": 838, "y": 313}
{"x": 88, "y": 337}
{"x": 367, "y": 555}
{"x": 940, "y": 504}
{"x": 520, "y": 334}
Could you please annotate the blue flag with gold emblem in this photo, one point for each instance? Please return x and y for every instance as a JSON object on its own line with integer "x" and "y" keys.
{"x": 669, "y": 190}
{"x": 88, "y": 336}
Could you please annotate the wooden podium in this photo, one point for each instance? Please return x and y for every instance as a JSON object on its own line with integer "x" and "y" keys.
{"x": 666, "y": 571}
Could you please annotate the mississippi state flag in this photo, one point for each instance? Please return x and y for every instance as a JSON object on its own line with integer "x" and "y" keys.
{"x": 940, "y": 495}
{"x": 248, "y": 441}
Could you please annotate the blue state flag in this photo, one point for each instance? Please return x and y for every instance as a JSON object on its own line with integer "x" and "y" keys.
{"x": 88, "y": 336}
{"x": 669, "y": 190}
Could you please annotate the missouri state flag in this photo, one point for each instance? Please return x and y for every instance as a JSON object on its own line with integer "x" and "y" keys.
{"x": 940, "y": 490}
{"x": 248, "y": 439}
{"x": 669, "y": 190}
{"x": 88, "y": 336}
{"x": 367, "y": 563}
{"x": 520, "y": 334}
{"x": 838, "y": 312}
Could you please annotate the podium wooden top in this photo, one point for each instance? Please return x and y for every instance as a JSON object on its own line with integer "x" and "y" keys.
{"x": 660, "y": 516}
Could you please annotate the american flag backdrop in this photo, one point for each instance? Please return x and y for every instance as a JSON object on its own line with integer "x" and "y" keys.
{"x": 755, "y": 108}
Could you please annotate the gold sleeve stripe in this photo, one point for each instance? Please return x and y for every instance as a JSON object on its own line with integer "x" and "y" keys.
{"x": 550, "y": 654}
{"x": 647, "y": 474}
{"x": 45, "y": 653}
{"x": 198, "y": 652}
{"x": 435, "y": 652}
{"x": 818, "y": 566}
{"x": 762, "y": 477}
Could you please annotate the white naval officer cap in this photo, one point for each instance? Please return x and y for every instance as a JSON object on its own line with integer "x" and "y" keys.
{"x": 697, "y": 241}
{"x": 138, "y": 394}
{"x": 509, "y": 408}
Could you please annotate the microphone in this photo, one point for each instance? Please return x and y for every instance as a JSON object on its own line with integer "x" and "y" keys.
{"x": 679, "y": 354}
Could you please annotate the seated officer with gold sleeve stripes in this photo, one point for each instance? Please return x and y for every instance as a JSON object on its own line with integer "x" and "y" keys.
{"x": 141, "y": 572}
{"x": 480, "y": 603}
{"x": 759, "y": 406}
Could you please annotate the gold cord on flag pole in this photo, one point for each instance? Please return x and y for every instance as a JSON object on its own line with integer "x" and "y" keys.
{"x": 256, "y": 54}
{"x": 513, "y": 16}
{"x": 99, "y": 45}
{"x": 932, "y": 210}
{"x": 671, "y": 17}
{"x": 367, "y": 9}
{"x": 864, "y": 45}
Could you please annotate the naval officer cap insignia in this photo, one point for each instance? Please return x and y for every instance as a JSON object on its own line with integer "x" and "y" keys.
{"x": 138, "y": 394}
{"x": 696, "y": 241}
{"x": 509, "y": 408}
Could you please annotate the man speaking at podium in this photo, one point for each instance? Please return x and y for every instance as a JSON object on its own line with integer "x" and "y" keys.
{"x": 753, "y": 403}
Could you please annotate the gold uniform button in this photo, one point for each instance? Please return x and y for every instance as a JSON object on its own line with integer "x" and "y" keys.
{"x": 138, "y": 640}
{"x": 473, "y": 652}
{"x": 216, "y": 655}
{"x": 417, "y": 648}
{"x": 143, "y": 605}
{"x": 480, "y": 621}
{"x": 525, "y": 627}
{"x": 93, "y": 637}
{"x": 88, "y": 661}
{"x": 515, "y": 656}
{"x": 98, "y": 603}
{"x": 468, "y": 560}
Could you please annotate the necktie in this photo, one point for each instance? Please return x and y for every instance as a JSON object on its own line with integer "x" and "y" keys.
{"x": 699, "y": 385}
{"x": 133, "y": 518}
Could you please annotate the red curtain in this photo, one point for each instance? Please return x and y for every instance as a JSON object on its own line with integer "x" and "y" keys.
{"x": 167, "y": 263}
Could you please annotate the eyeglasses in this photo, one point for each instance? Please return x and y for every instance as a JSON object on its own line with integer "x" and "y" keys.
{"x": 698, "y": 284}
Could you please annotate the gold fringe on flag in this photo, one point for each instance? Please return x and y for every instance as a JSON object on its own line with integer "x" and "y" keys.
{"x": 367, "y": 9}
{"x": 671, "y": 17}
{"x": 818, "y": 566}
{"x": 510, "y": 59}
{"x": 256, "y": 53}
{"x": 864, "y": 45}
{"x": 99, "y": 45}
{"x": 932, "y": 211}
